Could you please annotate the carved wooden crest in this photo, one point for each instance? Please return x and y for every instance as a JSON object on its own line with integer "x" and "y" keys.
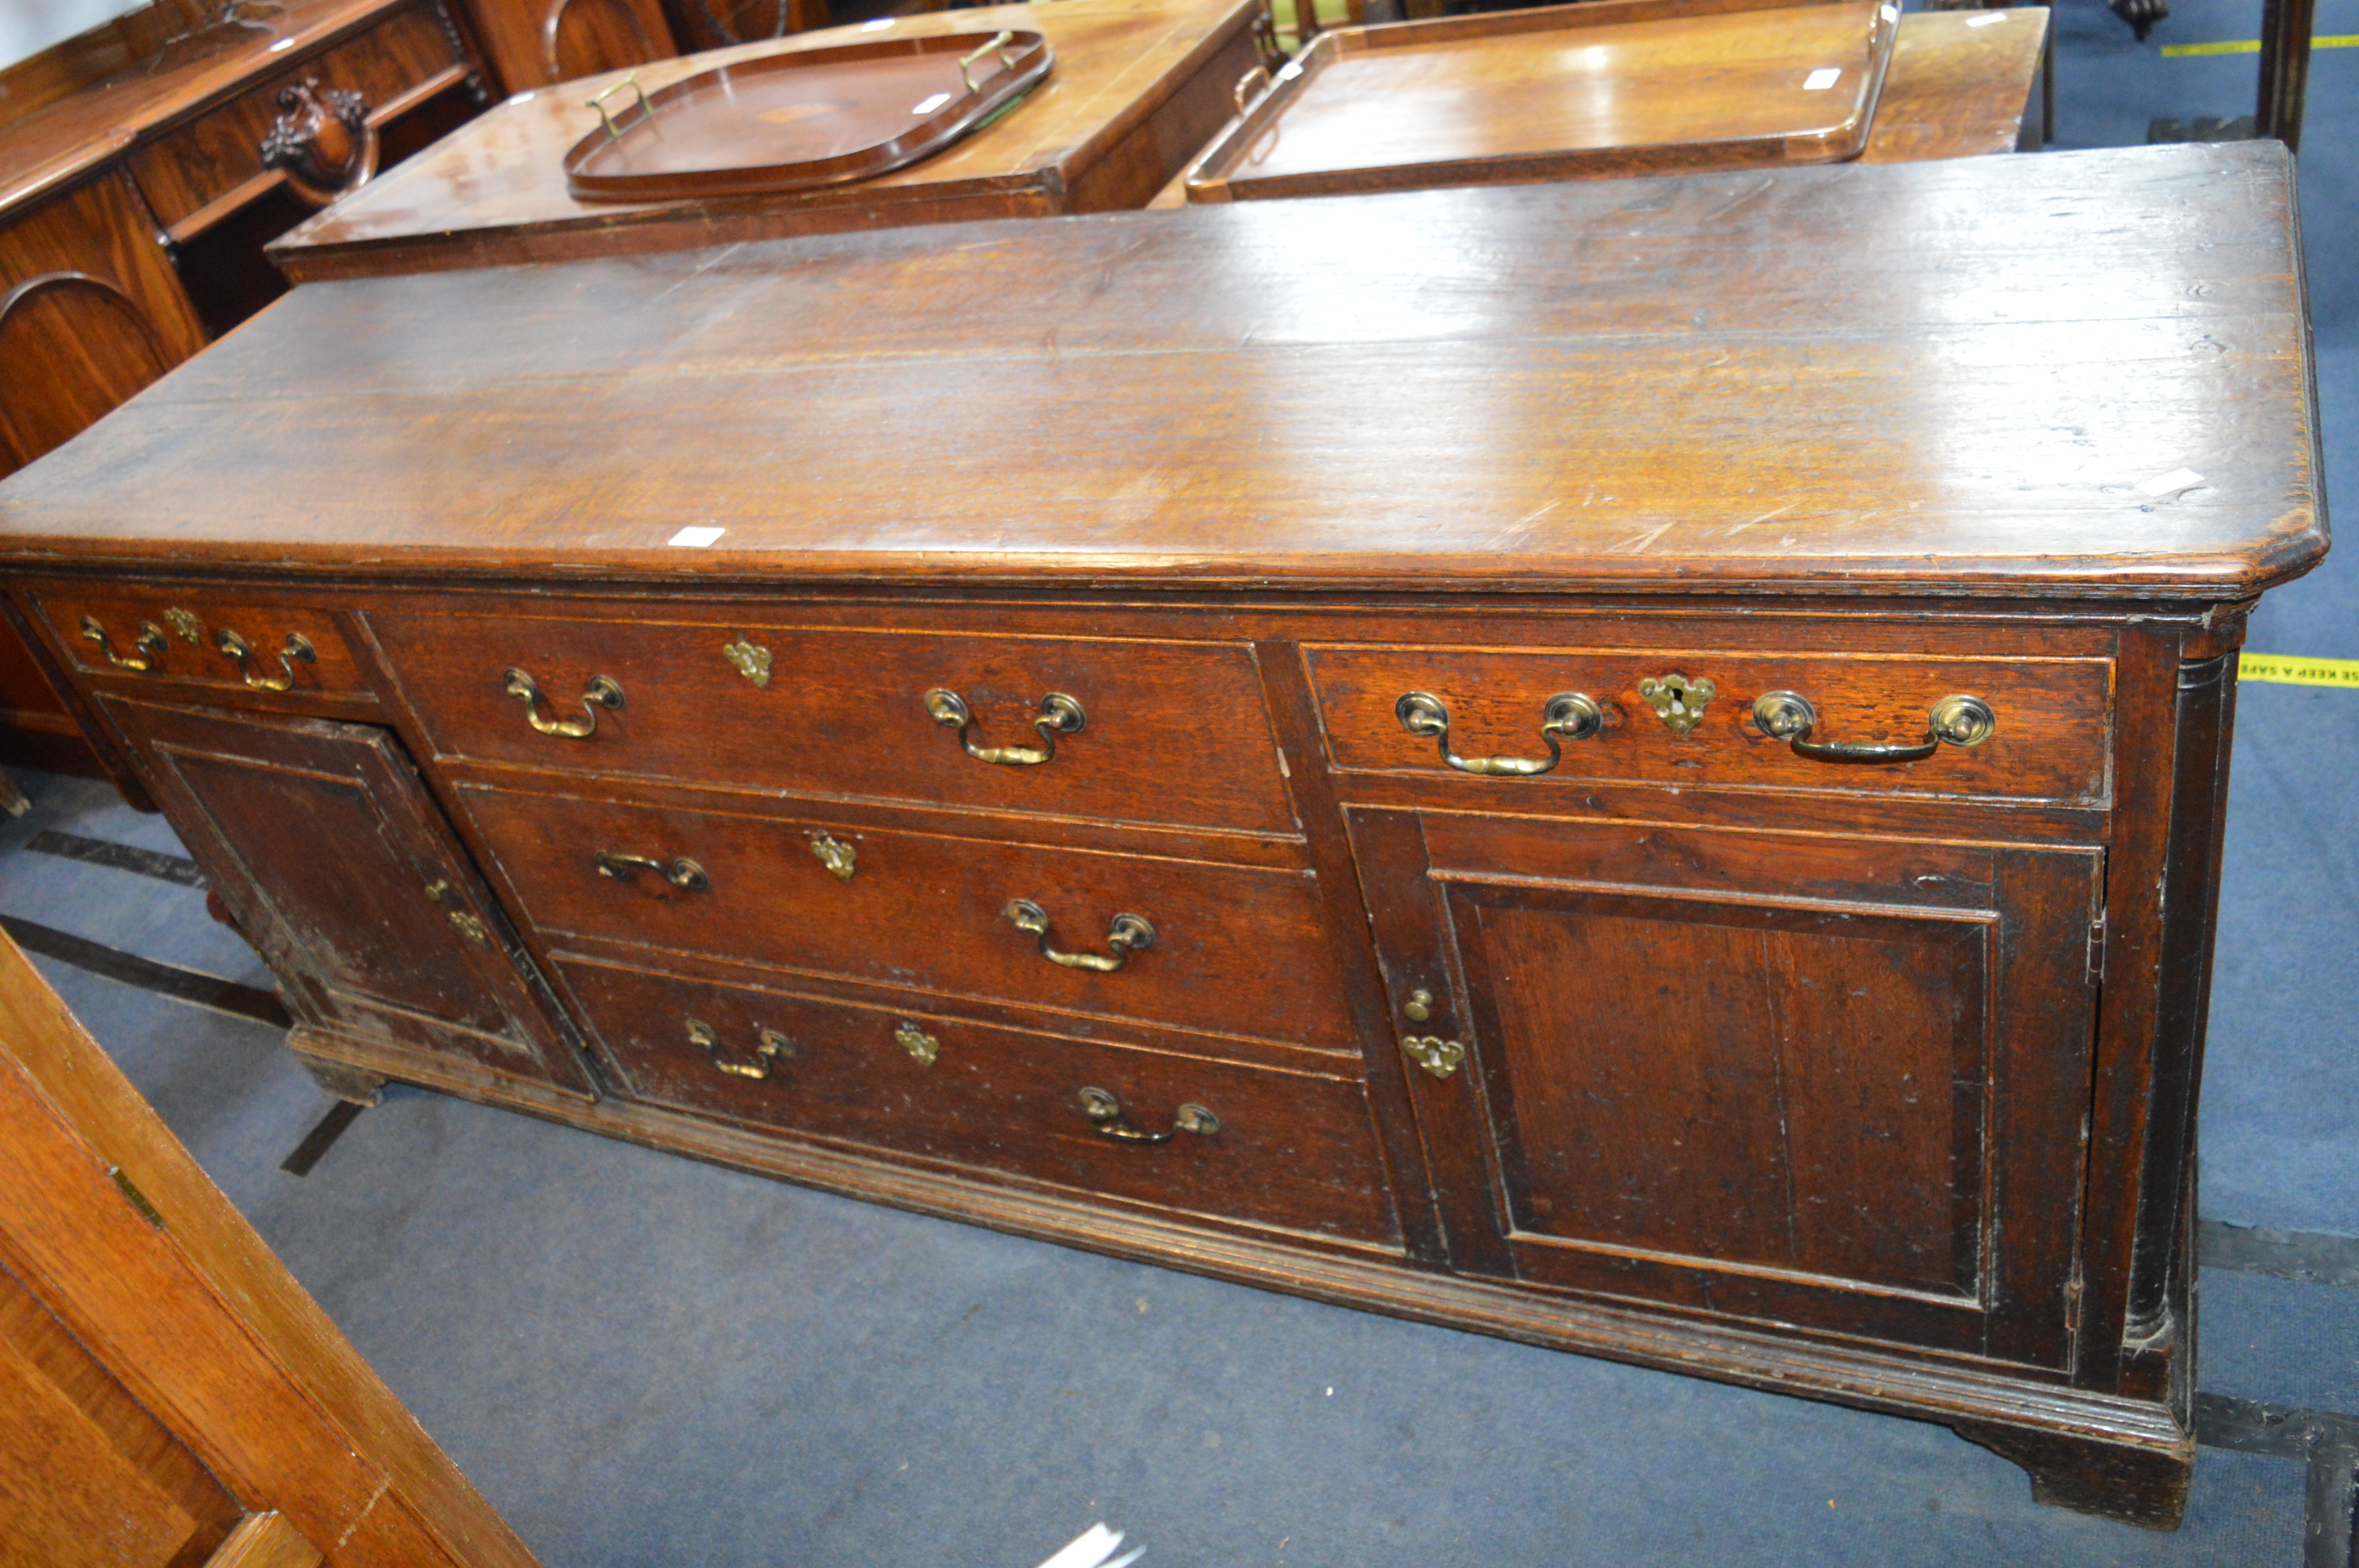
{"x": 322, "y": 139}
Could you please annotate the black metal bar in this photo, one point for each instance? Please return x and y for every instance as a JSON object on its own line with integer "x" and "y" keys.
{"x": 321, "y": 1139}
{"x": 153, "y": 863}
{"x": 192, "y": 986}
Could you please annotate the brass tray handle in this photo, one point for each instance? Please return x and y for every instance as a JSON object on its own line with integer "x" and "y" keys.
{"x": 1955, "y": 720}
{"x": 602, "y": 691}
{"x": 1130, "y": 934}
{"x": 1007, "y": 59}
{"x": 1574, "y": 716}
{"x": 646, "y": 109}
{"x": 1059, "y": 715}
{"x": 683, "y": 873}
{"x": 1105, "y": 1111}
{"x": 146, "y": 648}
{"x": 766, "y": 1055}
{"x": 297, "y": 651}
{"x": 1258, "y": 73}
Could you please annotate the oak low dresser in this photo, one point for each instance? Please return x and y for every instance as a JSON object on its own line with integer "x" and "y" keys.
{"x": 1633, "y": 765}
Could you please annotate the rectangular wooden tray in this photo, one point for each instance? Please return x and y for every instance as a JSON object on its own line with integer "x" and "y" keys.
{"x": 1585, "y": 91}
{"x": 797, "y": 118}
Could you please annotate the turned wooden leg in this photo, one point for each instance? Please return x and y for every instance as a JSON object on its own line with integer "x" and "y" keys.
{"x": 357, "y": 1085}
{"x": 2137, "y": 1486}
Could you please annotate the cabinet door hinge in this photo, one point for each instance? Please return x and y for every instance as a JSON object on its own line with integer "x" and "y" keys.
{"x": 2072, "y": 1304}
{"x": 2097, "y": 949}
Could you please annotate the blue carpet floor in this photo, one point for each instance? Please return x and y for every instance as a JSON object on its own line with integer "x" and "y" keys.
{"x": 642, "y": 1361}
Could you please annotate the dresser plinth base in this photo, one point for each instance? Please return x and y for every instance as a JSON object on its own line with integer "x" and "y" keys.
{"x": 2136, "y": 1486}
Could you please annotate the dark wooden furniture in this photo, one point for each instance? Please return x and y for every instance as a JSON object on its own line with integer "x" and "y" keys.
{"x": 1139, "y": 86}
{"x": 1597, "y": 90}
{"x": 2286, "y": 26}
{"x": 168, "y": 1394}
{"x": 1080, "y": 729}
{"x": 533, "y": 43}
{"x": 139, "y": 181}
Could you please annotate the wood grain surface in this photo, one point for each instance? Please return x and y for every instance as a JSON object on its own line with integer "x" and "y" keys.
{"x": 1591, "y": 90}
{"x": 1954, "y": 89}
{"x": 1968, "y": 367}
{"x": 1960, "y": 84}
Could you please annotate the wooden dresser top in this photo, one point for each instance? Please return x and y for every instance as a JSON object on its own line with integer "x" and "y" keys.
{"x": 1947, "y": 377}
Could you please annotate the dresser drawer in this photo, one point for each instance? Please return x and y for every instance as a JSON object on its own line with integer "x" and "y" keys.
{"x": 212, "y": 156}
{"x": 203, "y": 639}
{"x": 1282, "y": 1149}
{"x": 1227, "y": 949}
{"x": 1167, "y": 731}
{"x": 2050, "y": 741}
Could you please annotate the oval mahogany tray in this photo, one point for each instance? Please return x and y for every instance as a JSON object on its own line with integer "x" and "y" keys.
{"x": 801, "y": 118}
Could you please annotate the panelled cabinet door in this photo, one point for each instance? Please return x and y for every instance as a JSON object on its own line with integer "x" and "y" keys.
{"x": 1835, "y": 1082}
{"x": 338, "y": 865}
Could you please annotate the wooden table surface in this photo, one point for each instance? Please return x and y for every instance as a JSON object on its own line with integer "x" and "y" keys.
{"x": 1947, "y": 377}
{"x": 494, "y": 192}
{"x": 1955, "y": 89}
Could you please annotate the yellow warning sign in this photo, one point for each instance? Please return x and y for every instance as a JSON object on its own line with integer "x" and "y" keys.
{"x": 2293, "y": 671}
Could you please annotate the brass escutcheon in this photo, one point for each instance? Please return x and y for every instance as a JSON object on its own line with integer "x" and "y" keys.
{"x": 1677, "y": 701}
{"x": 1105, "y": 1111}
{"x": 1436, "y": 1055}
{"x": 836, "y": 855}
{"x": 752, "y": 660}
{"x": 191, "y": 630}
{"x": 916, "y": 1043}
{"x": 146, "y": 648}
{"x": 468, "y": 926}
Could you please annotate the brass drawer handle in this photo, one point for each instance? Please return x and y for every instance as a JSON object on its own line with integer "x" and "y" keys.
{"x": 1059, "y": 715}
{"x": 603, "y": 691}
{"x": 1438, "y": 1056}
{"x": 766, "y": 1055}
{"x": 298, "y": 651}
{"x": 148, "y": 646}
{"x": 1573, "y": 715}
{"x": 1130, "y": 934}
{"x": 1104, "y": 1110}
{"x": 1954, "y": 721}
{"x": 682, "y": 872}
